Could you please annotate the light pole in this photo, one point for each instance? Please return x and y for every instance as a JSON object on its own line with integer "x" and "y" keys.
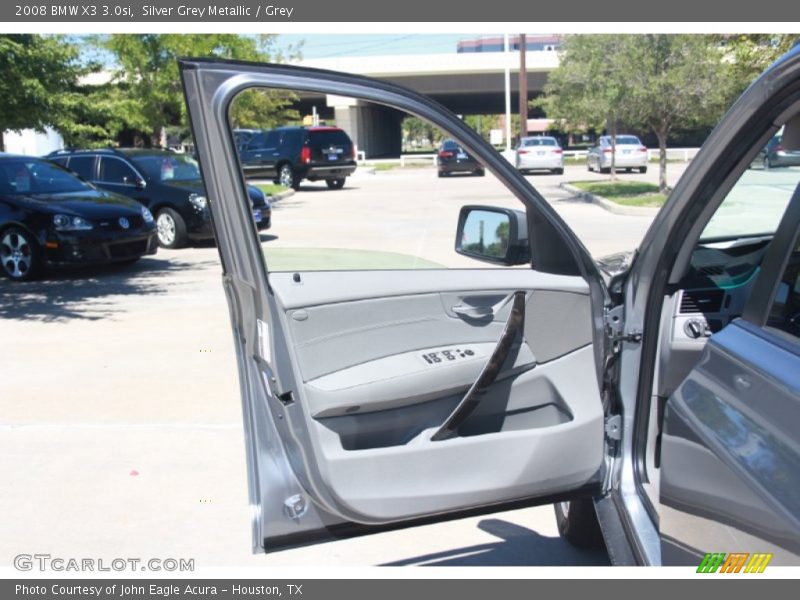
{"x": 508, "y": 92}
{"x": 523, "y": 87}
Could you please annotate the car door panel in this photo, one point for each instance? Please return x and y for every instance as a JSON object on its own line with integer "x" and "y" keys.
{"x": 374, "y": 401}
{"x": 341, "y": 407}
{"x": 733, "y": 420}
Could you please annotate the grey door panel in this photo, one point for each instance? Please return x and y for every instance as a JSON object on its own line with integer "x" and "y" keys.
{"x": 374, "y": 401}
{"x": 557, "y": 322}
{"x": 331, "y": 338}
{"x": 421, "y": 476}
{"x": 405, "y": 378}
{"x": 330, "y": 287}
{"x": 734, "y": 420}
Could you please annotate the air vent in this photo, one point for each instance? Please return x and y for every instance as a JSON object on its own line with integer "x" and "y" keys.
{"x": 701, "y": 301}
{"x": 713, "y": 270}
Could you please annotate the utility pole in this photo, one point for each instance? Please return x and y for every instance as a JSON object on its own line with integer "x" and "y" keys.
{"x": 508, "y": 91}
{"x": 523, "y": 87}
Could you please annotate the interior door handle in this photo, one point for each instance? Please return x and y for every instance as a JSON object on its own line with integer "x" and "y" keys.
{"x": 474, "y": 312}
{"x": 481, "y": 312}
{"x": 490, "y": 371}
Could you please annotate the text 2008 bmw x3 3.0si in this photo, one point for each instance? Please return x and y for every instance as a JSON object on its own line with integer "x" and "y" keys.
{"x": 658, "y": 393}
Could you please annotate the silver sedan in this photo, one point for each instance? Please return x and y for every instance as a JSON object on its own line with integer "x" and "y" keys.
{"x": 539, "y": 153}
{"x": 629, "y": 154}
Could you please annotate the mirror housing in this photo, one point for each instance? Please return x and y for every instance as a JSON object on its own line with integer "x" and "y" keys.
{"x": 140, "y": 183}
{"x": 493, "y": 234}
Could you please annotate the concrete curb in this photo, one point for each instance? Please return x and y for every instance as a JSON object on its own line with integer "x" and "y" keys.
{"x": 612, "y": 207}
{"x": 281, "y": 196}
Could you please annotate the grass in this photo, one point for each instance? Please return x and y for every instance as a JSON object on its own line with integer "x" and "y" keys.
{"x": 382, "y": 166}
{"x": 340, "y": 259}
{"x": 271, "y": 188}
{"x": 627, "y": 193}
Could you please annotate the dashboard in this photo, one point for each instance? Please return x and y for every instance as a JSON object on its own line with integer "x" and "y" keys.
{"x": 711, "y": 294}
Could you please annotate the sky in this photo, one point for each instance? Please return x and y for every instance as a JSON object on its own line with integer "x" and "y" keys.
{"x": 325, "y": 46}
{"x": 333, "y": 45}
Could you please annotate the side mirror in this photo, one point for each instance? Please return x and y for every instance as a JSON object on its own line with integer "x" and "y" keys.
{"x": 140, "y": 183}
{"x": 493, "y": 234}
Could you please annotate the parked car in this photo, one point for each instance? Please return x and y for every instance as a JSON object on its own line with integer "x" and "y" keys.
{"x": 168, "y": 183}
{"x": 656, "y": 392}
{"x": 50, "y": 217}
{"x": 452, "y": 158}
{"x": 288, "y": 155}
{"x": 775, "y": 155}
{"x": 539, "y": 153}
{"x": 630, "y": 154}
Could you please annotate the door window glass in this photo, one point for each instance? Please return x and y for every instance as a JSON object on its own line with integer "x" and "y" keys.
{"x": 382, "y": 213}
{"x": 83, "y": 166}
{"x": 113, "y": 170}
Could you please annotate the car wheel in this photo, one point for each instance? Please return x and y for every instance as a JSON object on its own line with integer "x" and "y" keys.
{"x": 559, "y": 171}
{"x": 642, "y": 169}
{"x": 480, "y": 172}
{"x": 171, "y": 229}
{"x": 605, "y": 170}
{"x": 589, "y": 166}
{"x": 767, "y": 163}
{"x": 577, "y": 523}
{"x": 335, "y": 184}
{"x": 129, "y": 261}
{"x": 20, "y": 254}
{"x": 443, "y": 174}
{"x": 287, "y": 178}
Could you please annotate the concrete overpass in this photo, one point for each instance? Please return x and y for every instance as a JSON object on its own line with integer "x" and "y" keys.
{"x": 466, "y": 83}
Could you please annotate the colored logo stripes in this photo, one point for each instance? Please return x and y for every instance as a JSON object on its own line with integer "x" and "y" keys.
{"x": 734, "y": 562}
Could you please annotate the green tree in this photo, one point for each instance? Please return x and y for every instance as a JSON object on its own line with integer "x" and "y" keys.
{"x": 588, "y": 89}
{"x": 419, "y": 132}
{"x": 94, "y": 116}
{"x": 674, "y": 81}
{"x": 263, "y": 109}
{"x": 149, "y": 70}
{"x": 746, "y": 56}
{"x": 40, "y": 82}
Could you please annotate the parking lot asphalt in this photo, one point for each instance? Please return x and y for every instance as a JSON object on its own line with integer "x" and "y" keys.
{"x": 121, "y": 420}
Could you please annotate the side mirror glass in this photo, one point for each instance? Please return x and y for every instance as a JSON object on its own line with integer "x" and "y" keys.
{"x": 493, "y": 234}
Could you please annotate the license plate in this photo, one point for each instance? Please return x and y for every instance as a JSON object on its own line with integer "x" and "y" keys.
{"x": 333, "y": 157}
{"x": 257, "y": 214}
{"x": 540, "y": 153}
{"x": 462, "y": 155}
{"x": 626, "y": 151}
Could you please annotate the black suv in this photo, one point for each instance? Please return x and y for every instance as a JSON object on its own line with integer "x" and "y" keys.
{"x": 287, "y": 155}
{"x": 452, "y": 158}
{"x": 167, "y": 183}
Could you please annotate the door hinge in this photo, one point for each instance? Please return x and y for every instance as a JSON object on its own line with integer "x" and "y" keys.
{"x": 615, "y": 327}
{"x": 614, "y": 428}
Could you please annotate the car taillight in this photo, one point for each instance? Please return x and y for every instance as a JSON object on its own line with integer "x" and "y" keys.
{"x": 522, "y": 151}
{"x": 445, "y": 154}
{"x": 607, "y": 150}
{"x": 305, "y": 155}
{"x": 558, "y": 151}
{"x": 642, "y": 149}
{"x": 355, "y": 155}
{"x": 778, "y": 148}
